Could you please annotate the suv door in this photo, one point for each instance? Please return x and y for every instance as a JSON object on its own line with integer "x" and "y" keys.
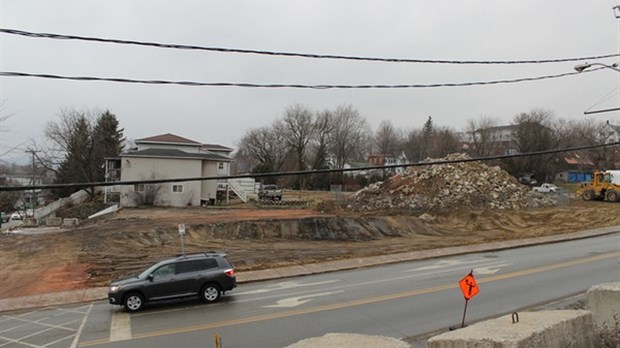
{"x": 161, "y": 283}
{"x": 191, "y": 274}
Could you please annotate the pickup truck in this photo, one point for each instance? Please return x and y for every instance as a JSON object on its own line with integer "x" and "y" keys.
{"x": 270, "y": 192}
{"x": 547, "y": 188}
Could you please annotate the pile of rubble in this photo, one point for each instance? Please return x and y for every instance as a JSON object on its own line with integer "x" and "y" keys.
{"x": 449, "y": 186}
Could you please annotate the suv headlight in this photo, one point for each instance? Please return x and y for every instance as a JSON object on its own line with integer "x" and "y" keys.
{"x": 115, "y": 288}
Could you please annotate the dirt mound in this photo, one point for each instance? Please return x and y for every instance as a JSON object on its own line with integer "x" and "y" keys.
{"x": 449, "y": 186}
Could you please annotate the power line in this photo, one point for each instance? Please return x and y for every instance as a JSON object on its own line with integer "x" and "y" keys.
{"x": 281, "y": 85}
{"x": 303, "y": 172}
{"x": 295, "y": 54}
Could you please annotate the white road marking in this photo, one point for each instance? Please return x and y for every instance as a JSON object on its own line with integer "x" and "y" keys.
{"x": 76, "y": 339}
{"x": 353, "y": 285}
{"x": 446, "y": 264}
{"x": 489, "y": 270}
{"x": 72, "y": 333}
{"x": 284, "y": 286}
{"x": 120, "y": 326}
{"x": 299, "y": 300}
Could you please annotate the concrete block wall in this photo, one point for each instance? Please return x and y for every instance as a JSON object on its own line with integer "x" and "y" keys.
{"x": 30, "y": 222}
{"x": 70, "y": 222}
{"x": 550, "y": 329}
{"x": 583, "y": 328}
{"x": 53, "y": 221}
{"x": 603, "y": 301}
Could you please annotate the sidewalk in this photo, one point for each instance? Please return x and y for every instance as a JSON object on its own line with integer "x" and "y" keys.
{"x": 95, "y": 294}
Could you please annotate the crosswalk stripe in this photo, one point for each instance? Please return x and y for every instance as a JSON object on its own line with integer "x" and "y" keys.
{"x": 120, "y": 326}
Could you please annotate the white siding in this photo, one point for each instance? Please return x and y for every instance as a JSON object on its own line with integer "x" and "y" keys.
{"x": 138, "y": 168}
{"x": 209, "y": 187}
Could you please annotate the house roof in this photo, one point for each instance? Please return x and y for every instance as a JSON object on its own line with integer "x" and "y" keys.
{"x": 174, "y": 153}
{"x": 216, "y": 147}
{"x": 168, "y": 138}
{"x": 577, "y": 159}
{"x": 510, "y": 127}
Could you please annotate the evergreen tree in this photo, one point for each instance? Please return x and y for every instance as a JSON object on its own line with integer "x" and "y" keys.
{"x": 86, "y": 150}
{"x": 108, "y": 140}
{"x": 428, "y": 129}
{"x": 76, "y": 167}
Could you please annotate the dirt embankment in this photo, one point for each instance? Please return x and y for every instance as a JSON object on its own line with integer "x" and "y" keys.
{"x": 98, "y": 251}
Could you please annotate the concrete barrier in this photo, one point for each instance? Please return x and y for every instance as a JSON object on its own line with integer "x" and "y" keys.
{"x": 30, "y": 222}
{"x": 603, "y": 301}
{"x": 70, "y": 222}
{"x": 53, "y": 221}
{"x": 550, "y": 329}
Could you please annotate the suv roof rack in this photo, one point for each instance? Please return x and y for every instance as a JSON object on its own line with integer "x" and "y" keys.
{"x": 207, "y": 253}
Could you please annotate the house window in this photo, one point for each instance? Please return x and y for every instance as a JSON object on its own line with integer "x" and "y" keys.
{"x": 220, "y": 165}
{"x": 138, "y": 187}
{"x": 177, "y": 188}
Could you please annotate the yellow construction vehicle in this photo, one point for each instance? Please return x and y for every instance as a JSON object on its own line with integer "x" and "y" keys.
{"x": 602, "y": 187}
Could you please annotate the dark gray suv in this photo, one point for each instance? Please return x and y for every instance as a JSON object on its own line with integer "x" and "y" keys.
{"x": 207, "y": 275}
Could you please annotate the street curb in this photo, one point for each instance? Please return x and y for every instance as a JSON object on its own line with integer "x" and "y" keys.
{"x": 100, "y": 293}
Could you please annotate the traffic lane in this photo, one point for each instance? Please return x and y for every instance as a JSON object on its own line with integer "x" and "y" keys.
{"x": 263, "y": 298}
{"x": 252, "y": 300}
{"x": 320, "y": 290}
{"x": 229, "y": 311}
{"x": 407, "y": 314}
{"x": 401, "y": 276}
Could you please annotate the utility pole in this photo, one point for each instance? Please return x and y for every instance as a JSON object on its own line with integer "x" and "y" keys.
{"x": 32, "y": 181}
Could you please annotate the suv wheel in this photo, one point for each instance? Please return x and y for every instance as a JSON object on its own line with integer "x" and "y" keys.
{"x": 133, "y": 302}
{"x": 210, "y": 293}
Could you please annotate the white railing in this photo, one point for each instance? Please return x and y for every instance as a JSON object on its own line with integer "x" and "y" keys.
{"x": 76, "y": 198}
{"x": 238, "y": 190}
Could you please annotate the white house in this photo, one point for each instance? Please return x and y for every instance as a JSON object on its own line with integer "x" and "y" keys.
{"x": 169, "y": 156}
{"x": 611, "y": 132}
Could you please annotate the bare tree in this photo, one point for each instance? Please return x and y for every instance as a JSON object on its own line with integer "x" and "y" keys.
{"x": 319, "y": 149}
{"x": 321, "y": 140}
{"x": 387, "y": 139}
{"x": 415, "y": 145}
{"x": 59, "y": 135}
{"x": 430, "y": 141}
{"x": 350, "y": 135}
{"x": 534, "y": 132}
{"x": 482, "y": 137}
{"x": 4, "y": 128}
{"x": 297, "y": 128}
{"x": 444, "y": 141}
{"x": 266, "y": 147}
{"x": 595, "y": 133}
{"x": 149, "y": 195}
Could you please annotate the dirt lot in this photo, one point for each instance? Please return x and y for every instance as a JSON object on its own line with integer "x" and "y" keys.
{"x": 45, "y": 260}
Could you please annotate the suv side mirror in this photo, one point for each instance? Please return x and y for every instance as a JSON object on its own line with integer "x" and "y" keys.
{"x": 150, "y": 277}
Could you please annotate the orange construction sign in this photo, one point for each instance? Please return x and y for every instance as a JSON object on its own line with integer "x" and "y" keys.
{"x": 469, "y": 287}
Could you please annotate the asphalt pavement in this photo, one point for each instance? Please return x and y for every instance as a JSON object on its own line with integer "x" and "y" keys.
{"x": 100, "y": 293}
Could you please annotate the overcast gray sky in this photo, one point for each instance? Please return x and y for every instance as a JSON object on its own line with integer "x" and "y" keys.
{"x": 448, "y": 30}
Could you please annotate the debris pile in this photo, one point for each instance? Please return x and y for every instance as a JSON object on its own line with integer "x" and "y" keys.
{"x": 449, "y": 186}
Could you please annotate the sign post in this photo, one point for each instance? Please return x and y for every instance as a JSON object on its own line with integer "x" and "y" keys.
{"x": 182, "y": 234}
{"x": 469, "y": 288}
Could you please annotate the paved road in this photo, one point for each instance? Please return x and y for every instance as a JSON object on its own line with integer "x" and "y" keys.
{"x": 398, "y": 300}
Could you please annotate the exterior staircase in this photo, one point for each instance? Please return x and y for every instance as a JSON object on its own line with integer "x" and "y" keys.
{"x": 235, "y": 186}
